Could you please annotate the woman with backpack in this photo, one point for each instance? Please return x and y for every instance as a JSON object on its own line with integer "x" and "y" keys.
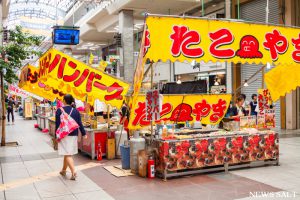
{"x": 68, "y": 146}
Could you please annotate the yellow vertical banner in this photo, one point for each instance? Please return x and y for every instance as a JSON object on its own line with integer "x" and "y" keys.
{"x": 139, "y": 73}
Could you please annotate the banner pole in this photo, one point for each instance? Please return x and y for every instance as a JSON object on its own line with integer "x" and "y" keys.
{"x": 151, "y": 65}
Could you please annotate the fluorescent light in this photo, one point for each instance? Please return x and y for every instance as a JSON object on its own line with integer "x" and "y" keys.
{"x": 268, "y": 66}
{"x": 88, "y": 45}
{"x": 246, "y": 84}
{"x": 82, "y": 48}
{"x": 139, "y": 25}
{"x": 112, "y": 31}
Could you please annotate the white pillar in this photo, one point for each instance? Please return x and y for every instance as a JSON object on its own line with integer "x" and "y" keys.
{"x": 228, "y": 68}
{"x": 228, "y": 65}
{"x": 291, "y": 98}
{"x": 291, "y": 111}
{"x": 126, "y": 51}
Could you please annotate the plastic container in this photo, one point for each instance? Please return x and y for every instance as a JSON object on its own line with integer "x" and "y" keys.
{"x": 125, "y": 156}
{"x": 136, "y": 144}
{"x": 120, "y": 141}
{"x": 197, "y": 124}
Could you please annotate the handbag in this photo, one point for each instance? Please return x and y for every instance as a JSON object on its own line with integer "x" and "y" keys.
{"x": 67, "y": 125}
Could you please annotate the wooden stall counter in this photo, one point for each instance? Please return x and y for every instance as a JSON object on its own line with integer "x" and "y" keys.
{"x": 229, "y": 150}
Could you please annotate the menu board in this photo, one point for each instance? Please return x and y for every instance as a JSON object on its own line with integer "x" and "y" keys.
{"x": 153, "y": 105}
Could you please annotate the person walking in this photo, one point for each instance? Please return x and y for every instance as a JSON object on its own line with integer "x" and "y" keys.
{"x": 68, "y": 146}
{"x": 10, "y": 110}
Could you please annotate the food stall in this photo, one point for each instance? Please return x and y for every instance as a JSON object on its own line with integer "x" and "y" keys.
{"x": 86, "y": 84}
{"x": 247, "y": 141}
{"x": 98, "y": 132}
{"x": 187, "y": 138}
{"x": 29, "y": 81}
{"x": 44, "y": 112}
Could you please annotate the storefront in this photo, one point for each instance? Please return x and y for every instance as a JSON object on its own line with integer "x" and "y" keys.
{"x": 246, "y": 139}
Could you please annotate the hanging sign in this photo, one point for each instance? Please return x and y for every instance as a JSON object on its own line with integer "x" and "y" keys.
{"x": 264, "y": 100}
{"x": 17, "y": 91}
{"x": 71, "y": 76}
{"x": 29, "y": 81}
{"x": 188, "y": 39}
{"x": 153, "y": 105}
{"x": 209, "y": 109}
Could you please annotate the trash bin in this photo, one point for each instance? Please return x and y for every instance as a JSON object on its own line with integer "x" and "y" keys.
{"x": 125, "y": 156}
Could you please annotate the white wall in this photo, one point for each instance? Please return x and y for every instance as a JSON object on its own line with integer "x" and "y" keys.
{"x": 186, "y": 68}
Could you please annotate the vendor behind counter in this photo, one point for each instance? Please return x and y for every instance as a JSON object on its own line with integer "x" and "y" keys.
{"x": 100, "y": 109}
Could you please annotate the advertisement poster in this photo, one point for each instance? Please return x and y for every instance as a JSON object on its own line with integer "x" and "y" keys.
{"x": 28, "y": 107}
{"x": 270, "y": 118}
{"x": 260, "y": 121}
{"x": 264, "y": 100}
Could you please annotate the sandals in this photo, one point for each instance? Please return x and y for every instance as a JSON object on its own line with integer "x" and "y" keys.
{"x": 63, "y": 173}
{"x": 73, "y": 177}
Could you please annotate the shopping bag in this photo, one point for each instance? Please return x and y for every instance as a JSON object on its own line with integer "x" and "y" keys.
{"x": 54, "y": 144}
{"x": 67, "y": 125}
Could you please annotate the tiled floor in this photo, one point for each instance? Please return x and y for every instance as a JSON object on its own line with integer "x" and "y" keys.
{"x": 29, "y": 171}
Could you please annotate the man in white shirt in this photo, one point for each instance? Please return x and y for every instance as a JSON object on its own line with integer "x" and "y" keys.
{"x": 99, "y": 108}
